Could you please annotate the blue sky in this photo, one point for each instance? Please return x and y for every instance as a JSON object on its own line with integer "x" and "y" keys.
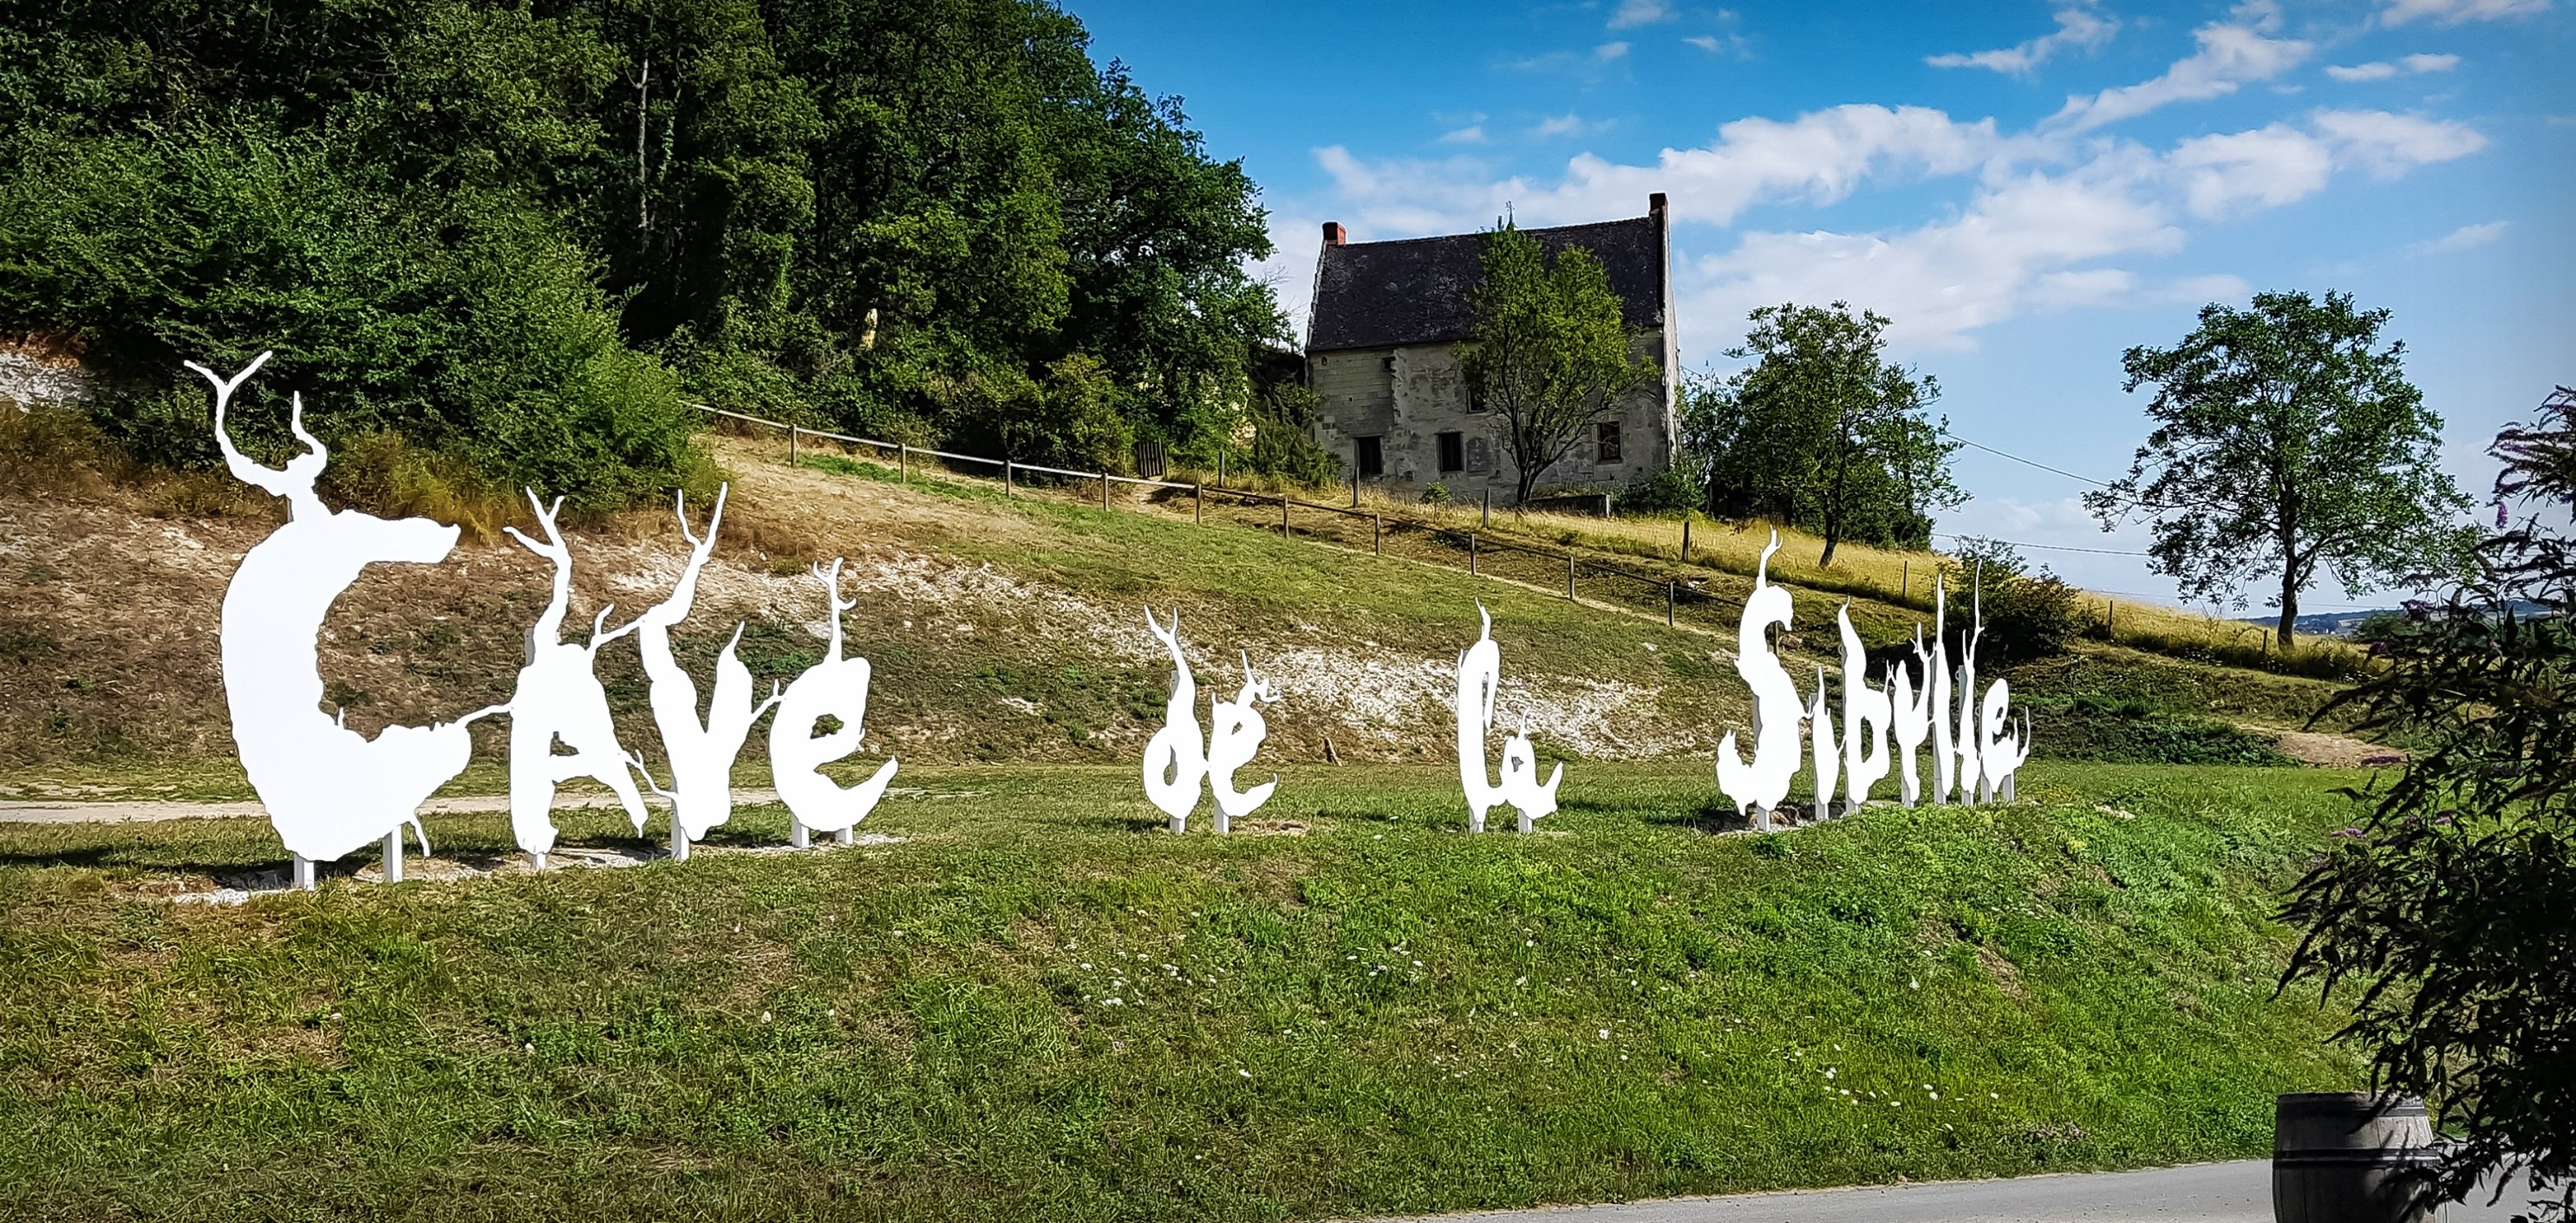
{"x": 2025, "y": 188}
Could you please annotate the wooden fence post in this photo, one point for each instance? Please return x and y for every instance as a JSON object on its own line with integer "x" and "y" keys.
{"x": 1377, "y": 531}
{"x": 791, "y": 445}
{"x": 903, "y": 462}
{"x": 1471, "y": 554}
{"x": 1355, "y": 486}
{"x": 1010, "y": 487}
{"x": 1569, "y": 575}
{"x": 1198, "y": 503}
{"x": 1220, "y": 469}
{"x": 1486, "y": 521}
{"x": 2111, "y": 621}
{"x": 1283, "y": 515}
{"x": 1104, "y": 490}
{"x": 1686, "y": 541}
{"x": 1905, "y": 577}
{"x": 1668, "y": 602}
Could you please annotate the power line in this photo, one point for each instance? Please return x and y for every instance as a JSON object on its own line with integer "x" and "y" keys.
{"x": 2045, "y": 547}
{"x": 2025, "y": 462}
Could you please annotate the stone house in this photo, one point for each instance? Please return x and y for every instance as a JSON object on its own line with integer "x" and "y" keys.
{"x": 1381, "y": 357}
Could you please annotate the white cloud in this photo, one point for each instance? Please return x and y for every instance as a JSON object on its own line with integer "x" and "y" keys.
{"x": 1473, "y": 133}
{"x": 1290, "y": 269}
{"x": 2021, "y": 244}
{"x": 2054, "y": 219}
{"x": 1820, "y": 156}
{"x": 1640, "y": 12}
{"x": 1722, "y": 44}
{"x": 2382, "y": 70}
{"x": 2453, "y": 12}
{"x": 2244, "y": 171}
{"x": 2389, "y": 145}
{"x": 2077, "y": 26}
{"x": 2232, "y": 53}
{"x": 1609, "y": 51}
{"x": 2464, "y": 238}
{"x": 1561, "y": 125}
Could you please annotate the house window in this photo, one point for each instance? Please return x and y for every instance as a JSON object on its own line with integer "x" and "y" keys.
{"x": 1369, "y": 455}
{"x": 1606, "y": 441}
{"x": 1386, "y": 364}
{"x": 1476, "y": 402}
{"x": 1453, "y": 452}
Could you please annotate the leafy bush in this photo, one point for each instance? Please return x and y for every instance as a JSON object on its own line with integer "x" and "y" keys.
{"x": 1674, "y": 490}
{"x": 1283, "y": 442}
{"x": 469, "y": 325}
{"x": 2026, "y": 616}
{"x": 2446, "y": 913}
{"x": 1070, "y": 420}
{"x": 2092, "y": 727}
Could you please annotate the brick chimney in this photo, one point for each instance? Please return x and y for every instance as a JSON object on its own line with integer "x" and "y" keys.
{"x": 1334, "y": 234}
{"x": 1655, "y": 204}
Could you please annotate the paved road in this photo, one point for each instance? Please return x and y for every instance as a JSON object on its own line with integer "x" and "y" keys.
{"x": 2221, "y": 1193}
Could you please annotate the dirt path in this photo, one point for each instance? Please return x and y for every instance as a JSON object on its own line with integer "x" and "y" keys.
{"x": 2336, "y": 751}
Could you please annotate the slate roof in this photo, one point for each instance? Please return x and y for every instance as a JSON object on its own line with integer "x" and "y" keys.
{"x": 1415, "y": 291}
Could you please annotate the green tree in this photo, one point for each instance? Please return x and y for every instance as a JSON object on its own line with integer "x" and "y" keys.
{"x": 1822, "y": 431}
{"x": 900, "y": 218}
{"x": 2288, "y": 443}
{"x": 2448, "y": 911}
{"x": 1550, "y": 349}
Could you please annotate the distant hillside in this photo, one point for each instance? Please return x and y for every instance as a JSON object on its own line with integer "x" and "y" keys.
{"x": 2342, "y": 623}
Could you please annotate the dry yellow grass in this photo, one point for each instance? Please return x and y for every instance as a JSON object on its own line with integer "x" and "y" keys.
{"x": 1888, "y": 575}
{"x": 1893, "y": 576}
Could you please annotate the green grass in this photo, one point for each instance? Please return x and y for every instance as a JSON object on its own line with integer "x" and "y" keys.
{"x": 1382, "y": 1015}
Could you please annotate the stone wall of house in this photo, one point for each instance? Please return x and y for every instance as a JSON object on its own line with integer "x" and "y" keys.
{"x": 1407, "y": 397}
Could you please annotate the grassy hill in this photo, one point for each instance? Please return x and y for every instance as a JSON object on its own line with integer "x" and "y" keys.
{"x": 1032, "y": 1003}
{"x": 1037, "y": 1006}
{"x": 1002, "y": 628}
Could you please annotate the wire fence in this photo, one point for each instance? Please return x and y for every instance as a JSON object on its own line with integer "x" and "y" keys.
{"x": 1707, "y": 602}
{"x": 1691, "y": 593}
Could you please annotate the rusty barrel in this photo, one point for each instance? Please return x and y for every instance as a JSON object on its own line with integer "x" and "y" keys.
{"x": 2340, "y": 1157}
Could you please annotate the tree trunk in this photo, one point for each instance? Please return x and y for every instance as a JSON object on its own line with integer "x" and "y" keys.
{"x": 1833, "y": 536}
{"x": 2289, "y": 605}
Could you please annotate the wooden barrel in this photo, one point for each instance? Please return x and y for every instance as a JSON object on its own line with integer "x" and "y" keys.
{"x": 2339, "y": 1158}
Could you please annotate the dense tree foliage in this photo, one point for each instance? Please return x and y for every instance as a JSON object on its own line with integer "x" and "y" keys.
{"x": 2288, "y": 442}
{"x": 1822, "y": 432}
{"x": 1550, "y": 349}
{"x": 522, "y": 233}
{"x": 2449, "y": 910}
